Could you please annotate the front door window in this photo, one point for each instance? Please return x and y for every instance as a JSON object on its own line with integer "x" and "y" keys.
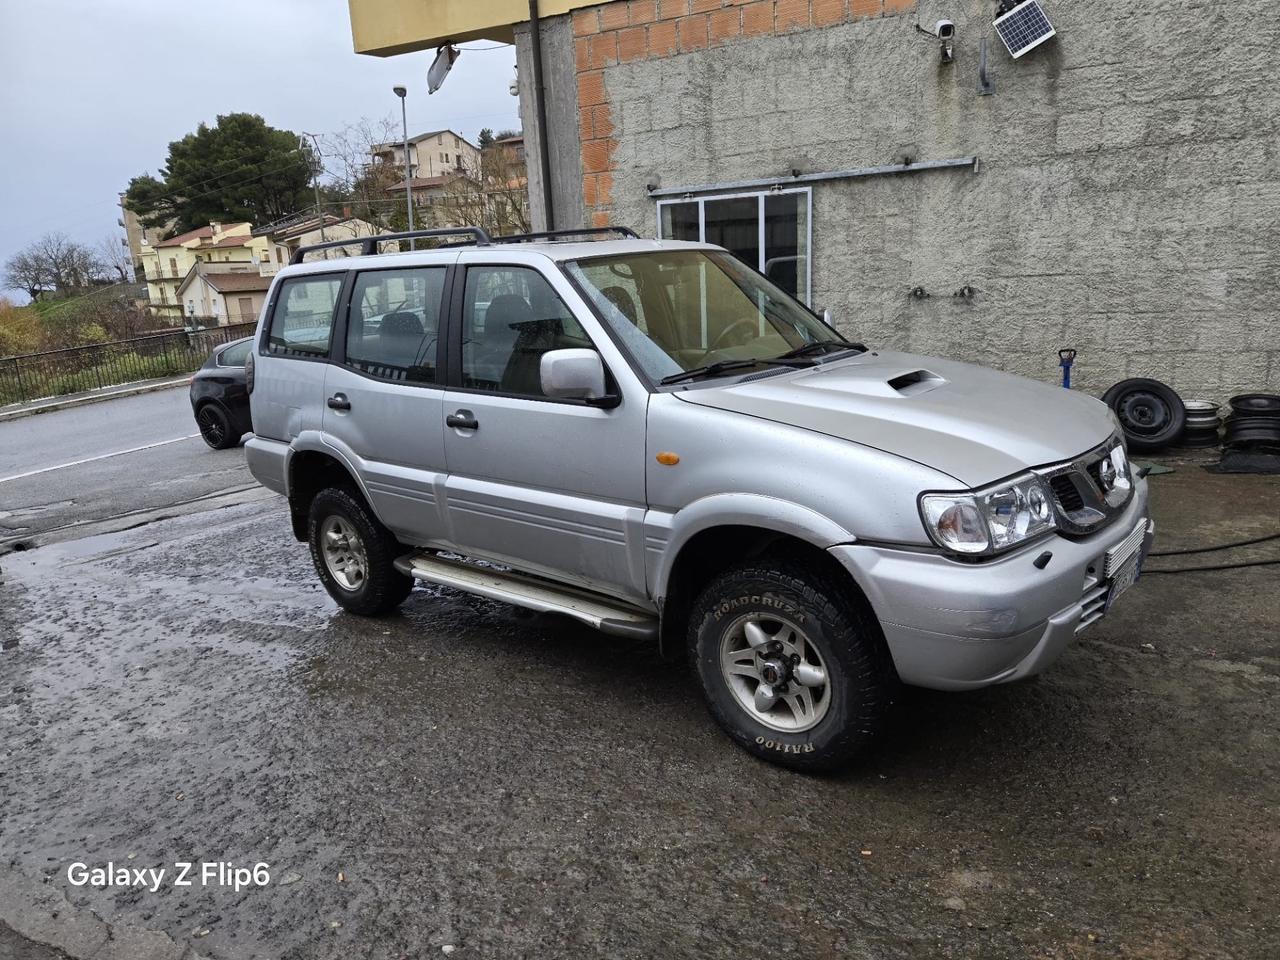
{"x": 510, "y": 317}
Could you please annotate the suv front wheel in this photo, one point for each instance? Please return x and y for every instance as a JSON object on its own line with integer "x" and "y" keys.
{"x": 354, "y": 554}
{"x": 793, "y": 668}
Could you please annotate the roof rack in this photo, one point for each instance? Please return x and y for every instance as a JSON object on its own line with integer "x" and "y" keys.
{"x": 369, "y": 245}
{"x": 554, "y": 234}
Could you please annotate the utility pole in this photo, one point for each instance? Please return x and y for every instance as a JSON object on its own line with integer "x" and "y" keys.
{"x": 402, "y": 92}
{"x": 315, "y": 180}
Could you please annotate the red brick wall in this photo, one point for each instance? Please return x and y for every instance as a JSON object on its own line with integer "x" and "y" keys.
{"x": 628, "y": 30}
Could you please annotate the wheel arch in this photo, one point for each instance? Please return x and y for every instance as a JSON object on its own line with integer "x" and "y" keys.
{"x": 309, "y": 471}
{"x": 710, "y": 541}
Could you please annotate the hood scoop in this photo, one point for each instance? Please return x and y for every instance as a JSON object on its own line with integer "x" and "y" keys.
{"x": 915, "y": 382}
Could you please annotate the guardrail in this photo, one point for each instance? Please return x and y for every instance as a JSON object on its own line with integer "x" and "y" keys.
{"x": 35, "y": 376}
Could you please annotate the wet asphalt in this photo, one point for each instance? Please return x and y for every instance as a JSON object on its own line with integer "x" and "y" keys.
{"x": 125, "y": 456}
{"x": 463, "y": 775}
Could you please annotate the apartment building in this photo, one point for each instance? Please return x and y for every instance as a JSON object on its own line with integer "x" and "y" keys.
{"x": 439, "y": 153}
{"x": 217, "y": 248}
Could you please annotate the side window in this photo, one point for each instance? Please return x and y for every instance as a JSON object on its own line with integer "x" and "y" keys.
{"x": 303, "y": 317}
{"x": 235, "y": 356}
{"x": 510, "y": 317}
{"x": 394, "y": 324}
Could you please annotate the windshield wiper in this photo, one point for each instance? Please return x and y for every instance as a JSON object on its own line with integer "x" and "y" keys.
{"x": 710, "y": 370}
{"x": 725, "y": 366}
{"x": 822, "y": 346}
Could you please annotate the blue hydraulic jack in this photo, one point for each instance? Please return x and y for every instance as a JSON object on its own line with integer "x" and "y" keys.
{"x": 1066, "y": 358}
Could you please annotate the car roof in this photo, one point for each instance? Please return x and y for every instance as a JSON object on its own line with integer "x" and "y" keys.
{"x": 557, "y": 251}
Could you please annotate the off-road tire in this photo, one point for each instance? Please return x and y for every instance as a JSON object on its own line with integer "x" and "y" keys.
{"x": 384, "y": 587}
{"x": 215, "y": 427}
{"x": 837, "y": 621}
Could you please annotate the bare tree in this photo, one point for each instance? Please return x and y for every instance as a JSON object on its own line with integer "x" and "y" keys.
{"x": 71, "y": 266}
{"x": 495, "y": 196}
{"x": 26, "y": 271}
{"x": 355, "y": 172}
{"x": 113, "y": 257}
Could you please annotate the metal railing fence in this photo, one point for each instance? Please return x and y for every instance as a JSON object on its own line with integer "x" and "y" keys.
{"x": 53, "y": 373}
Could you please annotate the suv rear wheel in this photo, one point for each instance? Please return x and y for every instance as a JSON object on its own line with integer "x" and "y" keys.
{"x": 793, "y": 668}
{"x": 354, "y": 554}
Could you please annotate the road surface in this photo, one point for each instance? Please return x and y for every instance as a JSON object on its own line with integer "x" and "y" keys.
{"x": 458, "y": 776}
{"x": 107, "y": 459}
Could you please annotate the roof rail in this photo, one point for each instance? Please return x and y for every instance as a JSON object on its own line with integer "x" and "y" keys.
{"x": 553, "y": 234}
{"x": 369, "y": 245}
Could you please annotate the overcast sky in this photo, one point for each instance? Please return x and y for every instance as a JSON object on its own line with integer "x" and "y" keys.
{"x": 93, "y": 91}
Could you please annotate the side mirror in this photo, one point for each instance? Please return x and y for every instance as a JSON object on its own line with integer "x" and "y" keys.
{"x": 826, "y": 317}
{"x": 573, "y": 375}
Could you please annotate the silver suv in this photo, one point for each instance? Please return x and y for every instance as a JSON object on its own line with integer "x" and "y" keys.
{"x": 658, "y": 441}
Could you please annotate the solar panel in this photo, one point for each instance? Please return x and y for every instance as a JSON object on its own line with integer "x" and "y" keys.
{"x": 1024, "y": 28}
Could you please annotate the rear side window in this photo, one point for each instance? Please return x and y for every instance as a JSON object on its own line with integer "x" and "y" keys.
{"x": 394, "y": 325}
{"x": 235, "y": 356}
{"x": 303, "y": 317}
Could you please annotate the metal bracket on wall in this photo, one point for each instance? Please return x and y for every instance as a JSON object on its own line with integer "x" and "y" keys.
{"x": 919, "y": 166}
{"x": 986, "y": 87}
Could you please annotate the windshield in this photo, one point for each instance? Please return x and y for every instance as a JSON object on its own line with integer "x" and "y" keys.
{"x": 679, "y": 310}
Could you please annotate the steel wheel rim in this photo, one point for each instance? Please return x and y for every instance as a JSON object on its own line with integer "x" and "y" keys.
{"x": 1143, "y": 414}
{"x": 211, "y": 426}
{"x": 344, "y": 553}
{"x": 792, "y": 699}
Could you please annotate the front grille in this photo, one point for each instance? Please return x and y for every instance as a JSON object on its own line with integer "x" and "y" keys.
{"x": 1095, "y": 471}
{"x": 1065, "y": 490}
{"x": 1093, "y": 605}
{"x": 1082, "y": 502}
{"x": 1119, "y": 555}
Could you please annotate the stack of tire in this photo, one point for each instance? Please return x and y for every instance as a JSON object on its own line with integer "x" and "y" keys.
{"x": 1254, "y": 424}
{"x": 1153, "y": 417}
{"x": 1202, "y": 424}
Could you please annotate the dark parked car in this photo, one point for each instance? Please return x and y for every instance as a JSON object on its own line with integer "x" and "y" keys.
{"x": 219, "y": 398}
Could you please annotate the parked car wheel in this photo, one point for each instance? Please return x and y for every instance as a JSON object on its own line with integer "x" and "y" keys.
{"x": 215, "y": 427}
{"x": 1151, "y": 414}
{"x": 354, "y": 554}
{"x": 792, "y": 668}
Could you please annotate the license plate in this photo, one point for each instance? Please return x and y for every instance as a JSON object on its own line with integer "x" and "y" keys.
{"x": 1125, "y": 578}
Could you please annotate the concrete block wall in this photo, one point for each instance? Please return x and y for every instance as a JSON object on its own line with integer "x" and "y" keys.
{"x": 1127, "y": 201}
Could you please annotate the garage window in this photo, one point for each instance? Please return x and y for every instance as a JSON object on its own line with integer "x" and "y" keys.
{"x": 770, "y": 231}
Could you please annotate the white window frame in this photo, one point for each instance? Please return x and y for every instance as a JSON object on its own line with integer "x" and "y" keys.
{"x": 760, "y": 196}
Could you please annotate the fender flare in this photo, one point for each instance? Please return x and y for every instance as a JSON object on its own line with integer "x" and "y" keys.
{"x": 310, "y": 441}
{"x": 743, "y": 510}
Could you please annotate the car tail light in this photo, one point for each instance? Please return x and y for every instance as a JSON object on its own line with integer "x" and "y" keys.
{"x": 248, "y": 372}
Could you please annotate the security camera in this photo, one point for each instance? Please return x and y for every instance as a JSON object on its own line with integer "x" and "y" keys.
{"x": 945, "y": 31}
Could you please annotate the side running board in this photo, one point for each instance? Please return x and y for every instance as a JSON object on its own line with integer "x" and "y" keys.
{"x": 603, "y": 613}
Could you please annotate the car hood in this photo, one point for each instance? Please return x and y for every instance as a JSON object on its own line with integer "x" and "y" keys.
{"x": 975, "y": 424}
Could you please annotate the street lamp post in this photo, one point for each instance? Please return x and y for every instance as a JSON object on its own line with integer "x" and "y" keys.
{"x": 401, "y": 92}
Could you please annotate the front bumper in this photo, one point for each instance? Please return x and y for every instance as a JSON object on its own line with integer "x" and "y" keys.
{"x": 952, "y": 625}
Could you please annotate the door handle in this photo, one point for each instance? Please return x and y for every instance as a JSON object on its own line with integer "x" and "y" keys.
{"x": 462, "y": 420}
{"x": 339, "y": 401}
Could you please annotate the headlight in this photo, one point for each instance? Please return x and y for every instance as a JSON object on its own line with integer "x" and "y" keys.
{"x": 989, "y": 520}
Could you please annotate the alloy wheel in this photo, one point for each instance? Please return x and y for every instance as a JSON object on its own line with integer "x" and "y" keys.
{"x": 211, "y": 426}
{"x": 344, "y": 553}
{"x": 776, "y": 673}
